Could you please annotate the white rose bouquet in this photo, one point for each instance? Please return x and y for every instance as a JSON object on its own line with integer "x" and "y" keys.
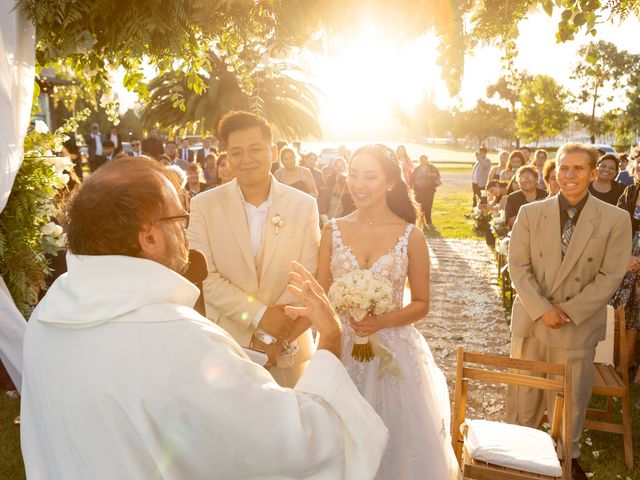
{"x": 358, "y": 294}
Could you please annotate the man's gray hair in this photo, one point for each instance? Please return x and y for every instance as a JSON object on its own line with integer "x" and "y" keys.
{"x": 587, "y": 149}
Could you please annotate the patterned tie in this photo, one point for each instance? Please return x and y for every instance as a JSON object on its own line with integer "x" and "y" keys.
{"x": 567, "y": 229}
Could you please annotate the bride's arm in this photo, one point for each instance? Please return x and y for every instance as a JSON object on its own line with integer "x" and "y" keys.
{"x": 324, "y": 258}
{"x": 419, "y": 284}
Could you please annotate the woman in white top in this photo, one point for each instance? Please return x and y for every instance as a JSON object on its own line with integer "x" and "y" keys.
{"x": 294, "y": 175}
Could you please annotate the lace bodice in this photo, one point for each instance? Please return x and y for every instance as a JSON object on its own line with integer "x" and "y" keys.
{"x": 393, "y": 265}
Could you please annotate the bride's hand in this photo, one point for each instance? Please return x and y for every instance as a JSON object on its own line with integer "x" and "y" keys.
{"x": 368, "y": 325}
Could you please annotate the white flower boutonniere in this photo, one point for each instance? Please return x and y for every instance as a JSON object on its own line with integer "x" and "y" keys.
{"x": 278, "y": 222}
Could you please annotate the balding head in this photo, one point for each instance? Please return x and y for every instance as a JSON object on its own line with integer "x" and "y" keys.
{"x": 107, "y": 213}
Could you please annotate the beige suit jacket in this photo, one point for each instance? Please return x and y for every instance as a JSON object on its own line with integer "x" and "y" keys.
{"x": 233, "y": 291}
{"x": 582, "y": 283}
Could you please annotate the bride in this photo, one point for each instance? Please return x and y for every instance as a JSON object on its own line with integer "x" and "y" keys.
{"x": 380, "y": 236}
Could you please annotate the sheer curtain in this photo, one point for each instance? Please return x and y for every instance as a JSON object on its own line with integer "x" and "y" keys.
{"x": 17, "y": 60}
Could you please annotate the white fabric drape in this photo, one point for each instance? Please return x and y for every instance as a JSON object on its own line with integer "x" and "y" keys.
{"x": 17, "y": 70}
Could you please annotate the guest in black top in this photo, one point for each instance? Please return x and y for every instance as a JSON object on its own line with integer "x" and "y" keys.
{"x": 604, "y": 186}
{"x": 527, "y": 178}
{"x": 628, "y": 295}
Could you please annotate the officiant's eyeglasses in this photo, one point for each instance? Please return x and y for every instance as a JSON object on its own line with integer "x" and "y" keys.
{"x": 183, "y": 219}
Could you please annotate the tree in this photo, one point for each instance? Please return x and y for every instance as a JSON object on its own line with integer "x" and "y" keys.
{"x": 507, "y": 89}
{"x": 601, "y": 67}
{"x": 543, "y": 112}
{"x": 486, "y": 120}
{"x": 288, "y": 103}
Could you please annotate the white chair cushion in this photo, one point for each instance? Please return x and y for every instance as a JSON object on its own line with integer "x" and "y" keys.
{"x": 604, "y": 349}
{"x": 512, "y": 446}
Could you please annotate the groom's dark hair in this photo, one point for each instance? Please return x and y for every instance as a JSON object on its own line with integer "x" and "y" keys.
{"x": 239, "y": 120}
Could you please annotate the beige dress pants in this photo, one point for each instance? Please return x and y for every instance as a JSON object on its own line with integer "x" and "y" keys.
{"x": 526, "y": 406}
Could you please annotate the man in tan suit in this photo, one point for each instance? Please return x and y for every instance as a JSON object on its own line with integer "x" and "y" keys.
{"x": 250, "y": 231}
{"x": 567, "y": 256}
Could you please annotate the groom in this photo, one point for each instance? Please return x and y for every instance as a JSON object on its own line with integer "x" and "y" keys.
{"x": 250, "y": 231}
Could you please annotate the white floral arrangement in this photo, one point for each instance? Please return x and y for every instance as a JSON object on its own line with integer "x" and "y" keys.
{"x": 502, "y": 245}
{"x": 358, "y": 294}
{"x": 499, "y": 225}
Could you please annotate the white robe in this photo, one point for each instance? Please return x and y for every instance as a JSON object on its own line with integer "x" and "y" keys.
{"x": 122, "y": 380}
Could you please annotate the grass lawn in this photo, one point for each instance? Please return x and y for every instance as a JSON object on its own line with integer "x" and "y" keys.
{"x": 11, "y": 467}
{"x": 450, "y": 205}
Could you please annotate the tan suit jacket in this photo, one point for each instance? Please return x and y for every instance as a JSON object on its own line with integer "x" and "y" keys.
{"x": 233, "y": 291}
{"x": 582, "y": 283}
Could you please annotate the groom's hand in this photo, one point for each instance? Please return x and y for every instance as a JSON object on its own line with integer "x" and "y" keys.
{"x": 276, "y": 323}
{"x": 316, "y": 307}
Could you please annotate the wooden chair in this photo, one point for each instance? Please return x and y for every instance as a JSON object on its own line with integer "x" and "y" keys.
{"x": 561, "y": 427}
{"x": 609, "y": 383}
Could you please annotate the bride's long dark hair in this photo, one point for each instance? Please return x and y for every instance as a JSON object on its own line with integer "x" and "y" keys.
{"x": 399, "y": 198}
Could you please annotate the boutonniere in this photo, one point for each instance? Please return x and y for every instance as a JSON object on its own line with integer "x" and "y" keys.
{"x": 278, "y": 222}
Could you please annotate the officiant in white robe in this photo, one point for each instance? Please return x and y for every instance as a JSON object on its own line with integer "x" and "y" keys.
{"x": 123, "y": 380}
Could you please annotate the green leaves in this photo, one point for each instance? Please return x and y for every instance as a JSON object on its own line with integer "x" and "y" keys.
{"x": 542, "y": 112}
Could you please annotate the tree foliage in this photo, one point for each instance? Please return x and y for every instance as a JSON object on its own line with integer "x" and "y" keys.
{"x": 601, "y": 70}
{"x": 289, "y": 103}
{"x": 485, "y": 120}
{"x": 543, "y": 112}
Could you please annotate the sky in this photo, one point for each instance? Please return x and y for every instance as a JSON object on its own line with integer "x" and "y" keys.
{"x": 364, "y": 77}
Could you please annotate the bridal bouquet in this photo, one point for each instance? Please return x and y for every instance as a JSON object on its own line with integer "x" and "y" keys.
{"x": 358, "y": 294}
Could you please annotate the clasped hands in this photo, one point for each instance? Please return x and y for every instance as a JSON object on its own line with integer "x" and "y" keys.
{"x": 634, "y": 264}
{"x": 555, "y": 317}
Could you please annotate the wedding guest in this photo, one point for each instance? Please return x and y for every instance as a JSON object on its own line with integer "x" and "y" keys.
{"x": 95, "y": 153}
{"x": 171, "y": 151}
{"x": 480, "y": 174}
{"x": 152, "y": 145}
{"x": 549, "y": 175}
{"x": 310, "y": 161}
{"x": 122, "y": 379}
{"x": 496, "y": 170}
{"x": 516, "y": 160}
{"x": 185, "y": 153}
{"x": 405, "y": 162}
{"x": 70, "y": 149}
{"x": 294, "y": 175}
{"x": 136, "y": 148}
{"x": 109, "y": 150}
{"x": 564, "y": 262}
{"x": 628, "y": 295}
{"x": 339, "y": 165}
{"x": 604, "y": 186}
{"x": 424, "y": 180}
{"x": 195, "y": 179}
{"x": 211, "y": 170}
{"x": 526, "y": 153}
{"x": 527, "y": 178}
{"x": 624, "y": 177}
{"x": 250, "y": 230}
{"x": 539, "y": 159}
{"x": 206, "y": 150}
{"x": 115, "y": 137}
{"x": 225, "y": 173}
{"x": 498, "y": 195}
{"x": 408, "y": 390}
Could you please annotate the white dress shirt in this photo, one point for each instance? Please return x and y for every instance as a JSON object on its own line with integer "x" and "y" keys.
{"x": 257, "y": 220}
{"x": 98, "y": 138}
{"x": 114, "y": 139}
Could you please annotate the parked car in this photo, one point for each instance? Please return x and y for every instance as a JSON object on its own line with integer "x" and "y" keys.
{"x": 606, "y": 148}
{"x": 327, "y": 155}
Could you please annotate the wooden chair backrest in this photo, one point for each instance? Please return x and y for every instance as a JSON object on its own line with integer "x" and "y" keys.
{"x": 561, "y": 384}
{"x": 620, "y": 344}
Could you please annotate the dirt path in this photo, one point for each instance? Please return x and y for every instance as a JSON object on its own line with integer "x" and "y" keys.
{"x": 466, "y": 310}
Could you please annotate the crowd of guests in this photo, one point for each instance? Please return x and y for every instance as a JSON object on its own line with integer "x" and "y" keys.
{"x": 518, "y": 180}
{"x": 207, "y": 168}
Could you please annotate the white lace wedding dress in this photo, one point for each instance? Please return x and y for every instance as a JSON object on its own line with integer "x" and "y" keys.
{"x": 415, "y": 408}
